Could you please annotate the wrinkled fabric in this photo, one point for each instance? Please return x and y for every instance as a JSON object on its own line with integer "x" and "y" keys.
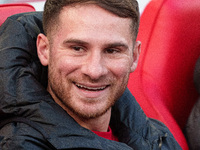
{"x": 23, "y": 93}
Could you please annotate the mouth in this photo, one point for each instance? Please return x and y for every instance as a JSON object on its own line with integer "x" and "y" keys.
{"x": 90, "y": 88}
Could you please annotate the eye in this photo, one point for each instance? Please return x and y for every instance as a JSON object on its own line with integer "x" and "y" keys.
{"x": 112, "y": 50}
{"x": 77, "y": 48}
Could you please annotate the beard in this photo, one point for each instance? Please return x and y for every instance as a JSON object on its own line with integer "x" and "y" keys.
{"x": 61, "y": 86}
{"x": 61, "y": 92}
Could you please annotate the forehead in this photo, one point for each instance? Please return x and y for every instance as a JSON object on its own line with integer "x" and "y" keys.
{"x": 87, "y": 11}
{"x": 92, "y": 20}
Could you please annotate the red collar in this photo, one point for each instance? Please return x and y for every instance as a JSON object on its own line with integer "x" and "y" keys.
{"x": 107, "y": 135}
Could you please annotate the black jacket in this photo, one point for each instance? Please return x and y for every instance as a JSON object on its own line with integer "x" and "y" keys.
{"x": 192, "y": 128}
{"x": 44, "y": 124}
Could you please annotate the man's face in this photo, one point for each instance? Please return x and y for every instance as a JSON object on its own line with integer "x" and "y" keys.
{"x": 90, "y": 57}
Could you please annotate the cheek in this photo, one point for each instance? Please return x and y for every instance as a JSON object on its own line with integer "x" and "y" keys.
{"x": 120, "y": 68}
{"x": 64, "y": 64}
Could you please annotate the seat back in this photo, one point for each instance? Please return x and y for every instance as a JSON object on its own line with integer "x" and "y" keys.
{"x": 7, "y": 10}
{"x": 163, "y": 82}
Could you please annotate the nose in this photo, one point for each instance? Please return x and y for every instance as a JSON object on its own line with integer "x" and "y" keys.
{"x": 94, "y": 66}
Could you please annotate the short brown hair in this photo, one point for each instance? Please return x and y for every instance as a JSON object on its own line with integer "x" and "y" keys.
{"x": 121, "y": 8}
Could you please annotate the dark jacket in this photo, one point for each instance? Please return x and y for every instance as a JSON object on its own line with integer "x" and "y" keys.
{"x": 192, "y": 128}
{"x": 47, "y": 126}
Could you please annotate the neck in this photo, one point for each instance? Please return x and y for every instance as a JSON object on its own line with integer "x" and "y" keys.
{"x": 100, "y": 123}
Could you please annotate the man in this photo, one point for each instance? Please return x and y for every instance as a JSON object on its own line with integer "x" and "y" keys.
{"x": 90, "y": 49}
{"x": 90, "y": 53}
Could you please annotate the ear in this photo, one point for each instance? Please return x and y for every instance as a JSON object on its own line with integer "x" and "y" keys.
{"x": 136, "y": 54}
{"x": 43, "y": 49}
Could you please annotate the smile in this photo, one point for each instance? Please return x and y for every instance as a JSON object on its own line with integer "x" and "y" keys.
{"x": 88, "y": 88}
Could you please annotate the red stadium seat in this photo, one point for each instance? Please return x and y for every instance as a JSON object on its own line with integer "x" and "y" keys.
{"x": 7, "y": 10}
{"x": 163, "y": 82}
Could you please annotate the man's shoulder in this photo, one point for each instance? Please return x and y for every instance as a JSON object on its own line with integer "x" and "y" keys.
{"x": 26, "y": 15}
{"x": 21, "y": 136}
{"x": 21, "y": 24}
{"x": 132, "y": 125}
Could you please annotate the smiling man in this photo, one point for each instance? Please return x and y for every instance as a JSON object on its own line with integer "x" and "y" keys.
{"x": 89, "y": 48}
{"x": 89, "y": 56}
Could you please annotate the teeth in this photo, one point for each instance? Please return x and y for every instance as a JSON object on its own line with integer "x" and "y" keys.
{"x": 90, "y": 88}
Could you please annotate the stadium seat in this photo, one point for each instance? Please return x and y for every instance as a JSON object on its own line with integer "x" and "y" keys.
{"x": 7, "y": 10}
{"x": 163, "y": 81}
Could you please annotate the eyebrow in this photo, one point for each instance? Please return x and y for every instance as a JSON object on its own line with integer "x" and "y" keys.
{"x": 75, "y": 41}
{"x": 117, "y": 44}
{"x": 108, "y": 45}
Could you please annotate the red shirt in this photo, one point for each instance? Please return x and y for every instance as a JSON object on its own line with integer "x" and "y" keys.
{"x": 107, "y": 135}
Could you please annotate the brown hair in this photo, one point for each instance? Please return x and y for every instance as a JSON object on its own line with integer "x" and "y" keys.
{"x": 121, "y": 8}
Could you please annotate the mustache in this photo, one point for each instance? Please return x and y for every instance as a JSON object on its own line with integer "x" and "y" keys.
{"x": 87, "y": 79}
